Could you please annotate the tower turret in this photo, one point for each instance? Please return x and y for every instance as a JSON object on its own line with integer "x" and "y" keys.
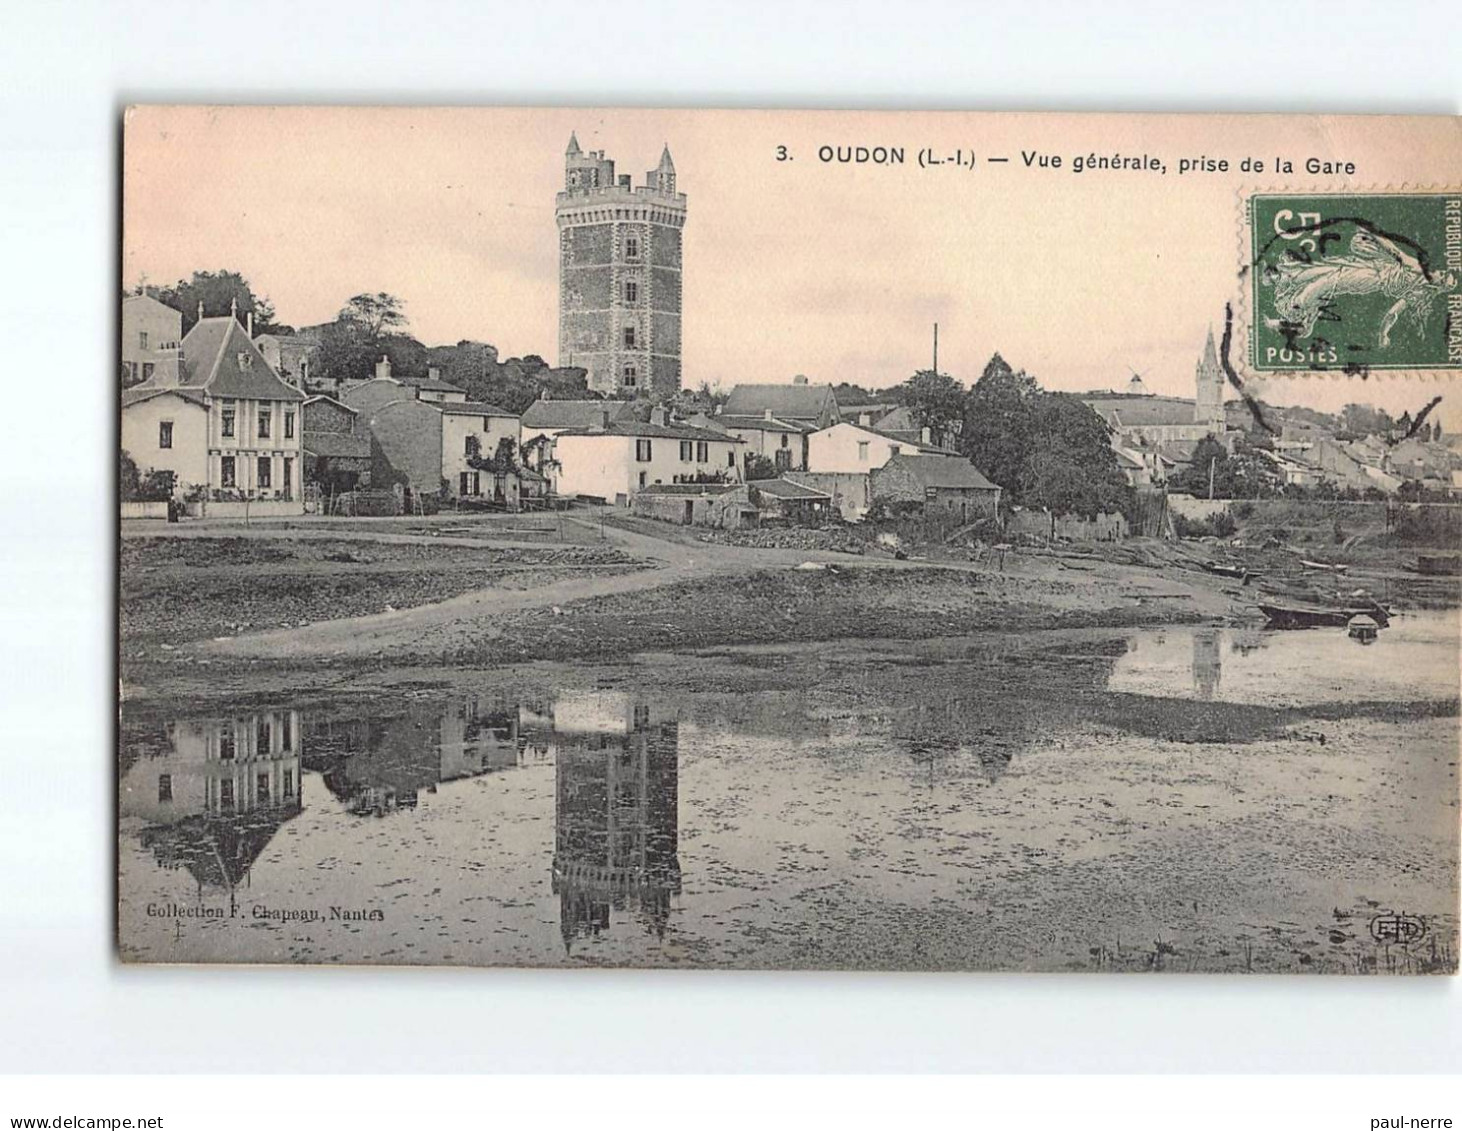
{"x": 619, "y": 274}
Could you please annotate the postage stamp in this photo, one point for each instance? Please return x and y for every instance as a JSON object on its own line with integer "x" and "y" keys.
{"x": 1354, "y": 283}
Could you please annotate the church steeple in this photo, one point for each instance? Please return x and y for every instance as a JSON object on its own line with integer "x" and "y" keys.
{"x": 662, "y": 177}
{"x": 573, "y": 150}
{"x": 1208, "y": 406}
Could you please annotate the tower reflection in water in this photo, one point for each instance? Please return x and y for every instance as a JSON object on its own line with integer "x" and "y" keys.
{"x": 1207, "y": 663}
{"x": 617, "y": 813}
{"x": 215, "y": 792}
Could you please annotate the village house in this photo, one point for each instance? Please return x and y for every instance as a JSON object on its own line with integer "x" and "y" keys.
{"x": 432, "y": 387}
{"x": 782, "y": 500}
{"x": 546, "y": 417}
{"x": 813, "y": 406}
{"x": 427, "y": 448}
{"x": 292, "y": 356}
{"x": 855, "y": 448}
{"x": 781, "y": 442}
{"x": 938, "y": 485}
{"x": 218, "y": 417}
{"x": 152, "y": 332}
{"x": 337, "y": 446}
{"x": 612, "y": 461}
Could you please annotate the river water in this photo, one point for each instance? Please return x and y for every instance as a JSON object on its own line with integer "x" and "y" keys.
{"x": 1162, "y": 799}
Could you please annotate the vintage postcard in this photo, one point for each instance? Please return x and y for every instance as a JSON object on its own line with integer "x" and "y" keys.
{"x": 789, "y": 540}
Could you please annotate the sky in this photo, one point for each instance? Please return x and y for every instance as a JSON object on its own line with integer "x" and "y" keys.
{"x": 801, "y": 266}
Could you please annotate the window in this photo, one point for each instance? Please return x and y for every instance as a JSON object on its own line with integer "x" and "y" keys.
{"x": 642, "y": 479}
{"x": 164, "y": 787}
{"x": 229, "y": 479}
{"x": 486, "y": 424}
{"x": 264, "y": 737}
{"x": 731, "y": 458}
{"x": 702, "y": 451}
{"x": 289, "y": 426}
{"x": 226, "y": 793}
{"x": 263, "y": 783}
{"x": 286, "y": 741}
{"x": 685, "y": 451}
{"x": 226, "y": 743}
{"x": 246, "y": 360}
{"x": 642, "y": 454}
{"x": 165, "y": 434}
{"x": 631, "y": 376}
{"x": 784, "y": 439}
{"x": 263, "y": 424}
{"x": 631, "y": 291}
{"x": 893, "y": 449}
{"x": 462, "y": 483}
{"x": 470, "y": 445}
{"x": 142, "y": 339}
{"x": 228, "y": 418}
{"x": 288, "y": 783}
{"x": 629, "y": 337}
{"x": 266, "y": 471}
{"x": 288, "y": 478}
{"x": 147, "y": 370}
{"x": 783, "y": 459}
{"x": 631, "y": 247}
{"x": 862, "y": 451}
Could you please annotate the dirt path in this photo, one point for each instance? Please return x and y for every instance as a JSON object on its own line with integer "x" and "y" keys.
{"x": 476, "y": 616}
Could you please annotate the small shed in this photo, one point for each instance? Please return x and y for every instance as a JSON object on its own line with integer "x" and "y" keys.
{"x": 796, "y": 502}
{"x": 942, "y": 484}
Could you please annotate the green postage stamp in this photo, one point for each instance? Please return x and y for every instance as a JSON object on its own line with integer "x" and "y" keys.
{"x": 1356, "y": 283}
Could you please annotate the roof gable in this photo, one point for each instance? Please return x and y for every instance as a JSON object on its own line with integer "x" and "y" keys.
{"x": 219, "y": 357}
{"x": 572, "y": 414}
{"x": 795, "y": 402}
{"x": 939, "y": 471}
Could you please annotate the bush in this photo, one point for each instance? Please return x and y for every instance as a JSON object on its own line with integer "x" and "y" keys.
{"x": 1221, "y": 525}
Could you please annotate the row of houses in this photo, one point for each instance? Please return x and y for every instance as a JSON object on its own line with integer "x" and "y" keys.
{"x": 223, "y": 412}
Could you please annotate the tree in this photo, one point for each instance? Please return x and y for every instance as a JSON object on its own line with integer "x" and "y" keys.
{"x": 368, "y": 326}
{"x": 998, "y": 429}
{"x": 219, "y": 291}
{"x": 1071, "y": 468}
{"x": 1245, "y": 474}
{"x": 936, "y": 399}
{"x": 374, "y": 316}
{"x": 759, "y": 467}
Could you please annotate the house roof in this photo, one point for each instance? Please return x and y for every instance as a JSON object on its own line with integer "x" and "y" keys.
{"x": 139, "y": 393}
{"x": 572, "y": 414}
{"x": 639, "y": 429}
{"x": 337, "y": 444}
{"x": 1141, "y": 411}
{"x": 219, "y": 358}
{"x": 332, "y": 400}
{"x": 154, "y": 300}
{"x": 434, "y": 385}
{"x": 785, "y": 489}
{"x": 913, "y": 442}
{"x": 471, "y": 408}
{"x": 938, "y": 471}
{"x": 787, "y": 402}
{"x": 757, "y": 423}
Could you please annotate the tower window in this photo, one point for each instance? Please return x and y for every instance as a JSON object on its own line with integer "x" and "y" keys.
{"x": 631, "y": 291}
{"x": 631, "y": 247}
{"x": 630, "y": 377}
{"x": 629, "y": 337}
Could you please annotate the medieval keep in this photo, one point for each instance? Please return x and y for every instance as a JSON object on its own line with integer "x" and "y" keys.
{"x": 619, "y": 274}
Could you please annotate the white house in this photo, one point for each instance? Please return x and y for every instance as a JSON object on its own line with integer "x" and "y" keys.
{"x": 219, "y": 417}
{"x": 848, "y": 448}
{"x": 614, "y": 461}
{"x": 780, "y": 441}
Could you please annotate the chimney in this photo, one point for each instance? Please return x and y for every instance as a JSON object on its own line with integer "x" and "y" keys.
{"x": 200, "y": 310}
{"x": 924, "y": 435}
{"x": 865, "y": 419}
{"x": 250, "y": 326}
{"x": 766, "y": 414}
{"x": 800, "y": 379}
{"x": 383, "y": 367}
{"x": 433, "y": 373}
{"x": 233, "y": 307}
{"x": 657, "y": 414}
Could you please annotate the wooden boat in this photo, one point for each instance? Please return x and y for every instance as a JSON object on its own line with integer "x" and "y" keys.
{"x": 1238, "y": 572}
{"x": 1322, "y": 616}
{"x": 1328, "y": 566}
{"x": 1363, "y": 628}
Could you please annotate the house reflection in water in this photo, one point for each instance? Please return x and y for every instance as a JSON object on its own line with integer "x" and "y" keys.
{"x": 382, "y": 763}
{"x": 1207, "y": 663}
{"x": 617, "y": 812}
{"x": 215, "y": 792}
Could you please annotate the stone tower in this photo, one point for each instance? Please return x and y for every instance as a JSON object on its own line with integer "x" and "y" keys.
{"x": 1208, "y": 408}
{"x": 619, "y": 271}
